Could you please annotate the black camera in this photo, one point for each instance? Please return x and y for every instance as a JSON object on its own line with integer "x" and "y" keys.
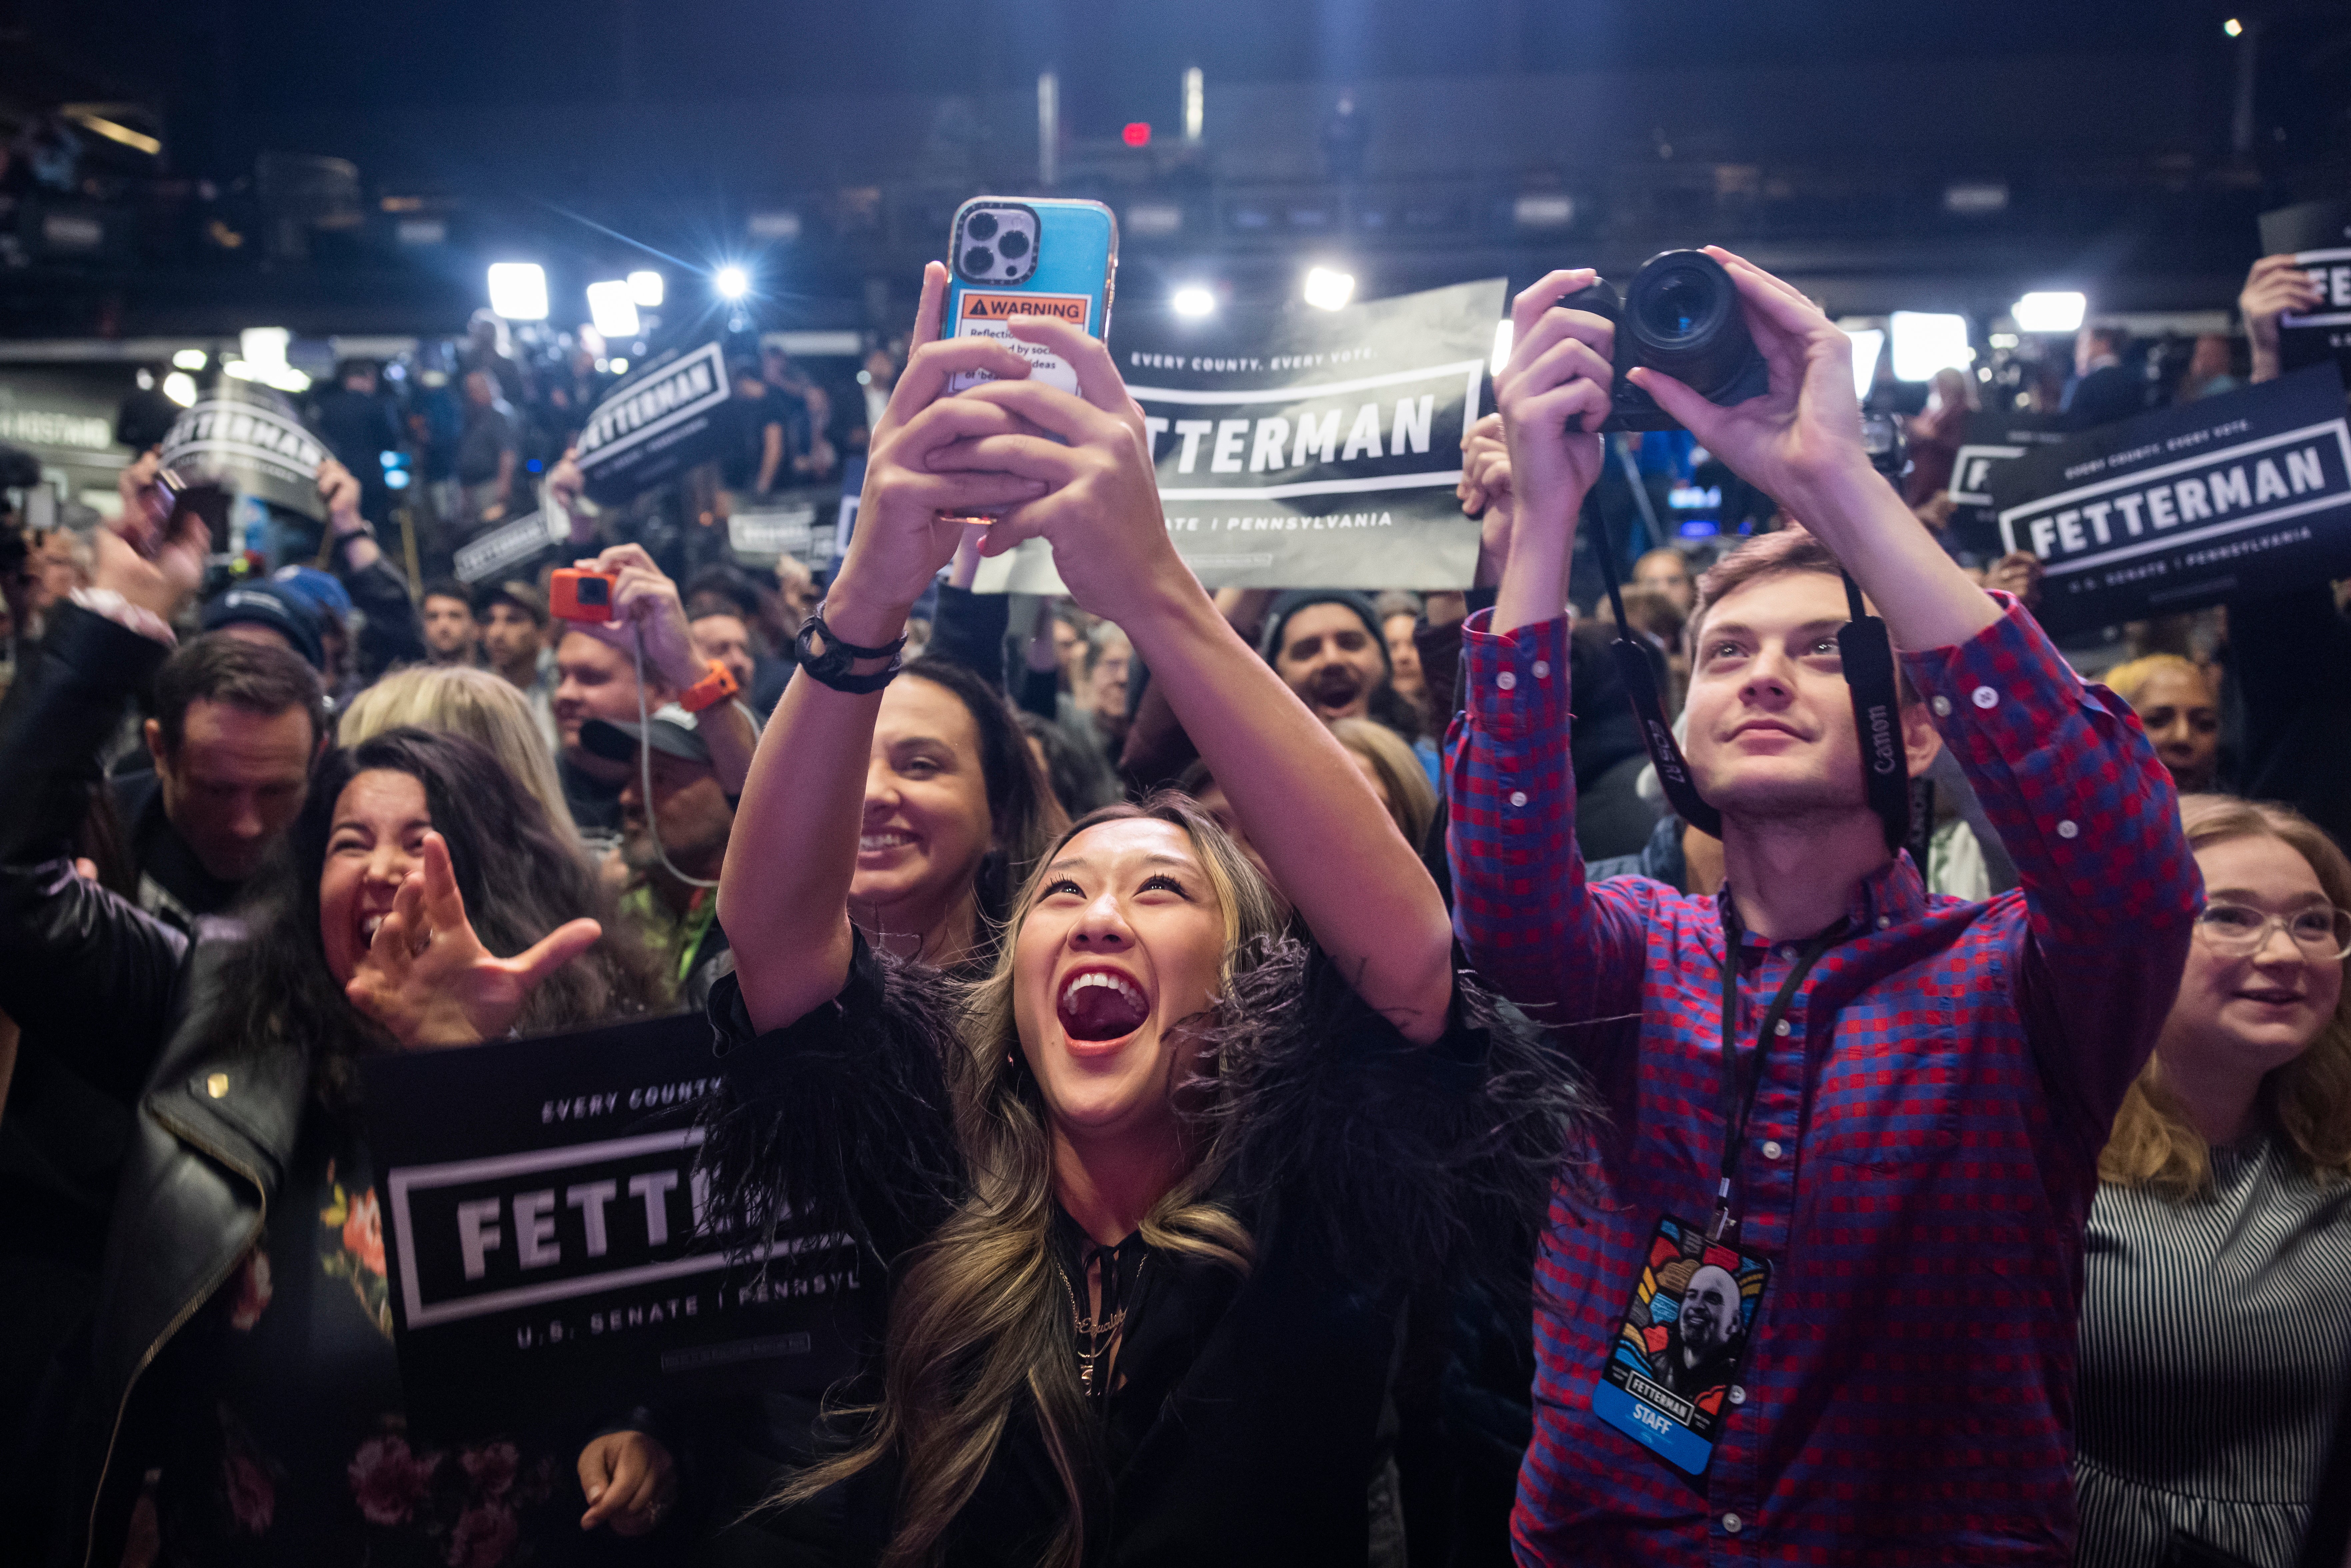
{"x": 1680, "y": 317}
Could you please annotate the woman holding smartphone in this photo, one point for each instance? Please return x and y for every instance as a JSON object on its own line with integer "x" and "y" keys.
{"x": 1146, "y": 1195}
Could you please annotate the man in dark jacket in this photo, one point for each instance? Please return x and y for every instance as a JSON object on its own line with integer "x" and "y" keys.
{"x": 2103, "y": 390}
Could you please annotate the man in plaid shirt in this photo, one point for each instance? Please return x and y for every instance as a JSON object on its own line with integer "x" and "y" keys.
{"x": 1846, "y": 1333}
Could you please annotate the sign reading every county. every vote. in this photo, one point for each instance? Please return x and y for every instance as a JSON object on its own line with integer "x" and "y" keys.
{"x": 553, "y": 1252}
{"x": 2244, "y": 494}
{"x": 1308, "y": 449}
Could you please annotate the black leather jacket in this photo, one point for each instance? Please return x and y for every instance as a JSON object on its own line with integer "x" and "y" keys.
{"x": 131, "y": 998}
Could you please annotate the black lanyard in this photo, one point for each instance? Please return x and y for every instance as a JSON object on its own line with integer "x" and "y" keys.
{"x": 1741, "y": 1084}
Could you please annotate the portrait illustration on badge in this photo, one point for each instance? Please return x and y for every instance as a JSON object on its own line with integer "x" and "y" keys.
{"x": 1681, "y": 1343}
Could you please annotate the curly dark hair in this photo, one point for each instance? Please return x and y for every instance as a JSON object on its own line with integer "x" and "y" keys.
{"x": 519, "y": 878}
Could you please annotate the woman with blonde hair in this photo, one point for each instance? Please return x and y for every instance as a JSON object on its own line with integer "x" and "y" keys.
{"x": 2178, "y": 705}
{"x": 1146, "y": 1200}
{"x": 476, "y": 704}
{"x": 1395, "y": 774}
{"x": 2215, "y": 1347}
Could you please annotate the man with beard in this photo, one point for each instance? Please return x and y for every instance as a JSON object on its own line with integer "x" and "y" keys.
{"x": 1702, "y": 1346}
{"x": 1327, "y": 646}
{"x": 693, "y": 814}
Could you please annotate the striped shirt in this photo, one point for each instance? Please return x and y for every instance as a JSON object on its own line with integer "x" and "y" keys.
{"x": 2216, "y": 1344}
{"x": 1923, "y": 1147}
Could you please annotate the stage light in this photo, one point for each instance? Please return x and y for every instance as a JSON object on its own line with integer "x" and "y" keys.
{"x": 1193, "y": 300}
{"x": 1543, "y": 210}
{"x": 1329, "y": 289}
{"x": 620, "y": 366}
{"x": 518, "y": 290}
{"x": 731, "y": 282}
{"x": 612, "y": 308}
{"x": 1925, "y": 341}
{"x": 181, "y": 388}
{"x": 2233, "y": 27}
{"x": 1195, "y": 102}
{"x": 1868, "y": 345}
{"x": 1503, "y": 337}
{"x": 2059, "y": 312}
{"x": 646, "y": 289}
{"x": 1136, "y": 133}
{"x": 188, "y": 359}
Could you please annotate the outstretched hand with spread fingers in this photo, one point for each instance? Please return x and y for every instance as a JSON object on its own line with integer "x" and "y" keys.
{"x": 426, "y": 976}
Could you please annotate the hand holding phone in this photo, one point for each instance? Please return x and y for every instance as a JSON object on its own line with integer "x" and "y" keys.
{"x": 1039, "y": 257}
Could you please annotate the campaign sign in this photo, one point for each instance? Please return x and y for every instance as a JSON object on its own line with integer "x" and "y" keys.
{"x": 660, "y": 422}
{"x": 2318, "y": 236}
{"x": 499, "y": 551}
{"x": 2247, "y": 493}
{"x": 1992, "y": 439}
{"x": 246, "y": 438}
{"x": 798, "y": 523}
{"x": 1317, "y": 448}
{"x": 553, "y": 1252}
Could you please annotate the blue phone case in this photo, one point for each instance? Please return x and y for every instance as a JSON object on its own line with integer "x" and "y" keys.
{"x": 1074, "y": 272}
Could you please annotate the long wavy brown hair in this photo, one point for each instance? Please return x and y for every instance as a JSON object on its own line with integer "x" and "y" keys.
{"x": 2307, "y": 1101}
{"x": 981, "y": 1318}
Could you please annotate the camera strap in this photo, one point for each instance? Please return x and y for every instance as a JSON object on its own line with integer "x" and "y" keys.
{"x": 1867, "y": 655}
{"x": 1640, "y": 678}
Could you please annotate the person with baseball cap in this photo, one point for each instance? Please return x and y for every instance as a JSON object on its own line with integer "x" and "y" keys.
{"x": 672, "y": 839}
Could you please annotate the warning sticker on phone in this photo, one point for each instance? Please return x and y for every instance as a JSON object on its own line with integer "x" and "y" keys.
{"x": 982, "y": 314}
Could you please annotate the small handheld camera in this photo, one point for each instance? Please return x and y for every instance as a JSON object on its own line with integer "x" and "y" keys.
{"x": 1681, "y": 317}
{"x": 576, "y": 595}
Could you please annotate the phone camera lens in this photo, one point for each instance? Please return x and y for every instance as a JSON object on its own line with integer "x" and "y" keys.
{"x": 982, "y": 225}
{"x": 1013, "y": 247}
{"x": 978, "y": 261}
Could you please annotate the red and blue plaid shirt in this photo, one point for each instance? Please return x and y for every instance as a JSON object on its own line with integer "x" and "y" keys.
{"x": 1923, "y": 1148}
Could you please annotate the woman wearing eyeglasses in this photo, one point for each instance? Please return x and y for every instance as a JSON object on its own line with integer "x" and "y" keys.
{"x": 2215, "y": 1342}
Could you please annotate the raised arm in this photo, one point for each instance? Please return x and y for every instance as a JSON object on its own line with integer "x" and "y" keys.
{"x": 1330, "y": 846}
{"x": 784, "y": 893}
{"x": 1533, "y": 926}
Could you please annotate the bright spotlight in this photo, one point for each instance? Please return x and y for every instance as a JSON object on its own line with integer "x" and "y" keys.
{"x": 646, "y": 289}
{"x": 518, "y": 290}
{"x": 2233, "y": 27}
{"x": 619, "y": 365}
{"x": 1193, "y": 300}
{"x": 613, "y": 309}
{"x": 1504, "y": 330}
{"x": 181, "y": 388}
{"x": 1926, "y": 341}
{"x": 188, "y": 359}
{"x": 1868, "y": 345}
{"x": 2052, "y": 312}
{"x": 731, "y": 282}
{"x": 1327, "y": 290}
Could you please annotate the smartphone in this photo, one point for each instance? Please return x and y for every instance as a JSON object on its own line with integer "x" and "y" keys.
{"x": 204, "y": 499}
{"x": 576, "y": 595}
{"x": 1036, "y": 256}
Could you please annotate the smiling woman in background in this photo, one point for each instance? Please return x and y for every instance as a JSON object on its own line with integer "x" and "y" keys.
{"x": 2214, "y": 1349}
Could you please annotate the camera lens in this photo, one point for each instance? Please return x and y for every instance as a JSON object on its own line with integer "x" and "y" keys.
{"x": 1674, "y": 310}
{"x": 1682, "y": 314}
{"x": 978, "y": 261}
{"x": 1013, "y": 246}
{"x": 595, "y": 590}
{"x": 982, "y": 225}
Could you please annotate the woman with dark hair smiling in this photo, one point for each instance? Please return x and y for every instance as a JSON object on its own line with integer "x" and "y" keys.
{"x": 1147, "y": 1196}
{"x": 242, "y": 1347}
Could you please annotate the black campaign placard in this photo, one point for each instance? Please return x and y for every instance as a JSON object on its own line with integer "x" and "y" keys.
{"x": 1317, "y": 448}
{"x": 248, "y": 439}
{"x": 1993, "y": 439}
{"x": 2318, "y": 237}
{"x": 663, "y": 420}
{"x": 544, "y": 1231}
{"x": 2243, "y": 494}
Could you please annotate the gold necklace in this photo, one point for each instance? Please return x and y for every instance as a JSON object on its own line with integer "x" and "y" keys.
{"x": 1096, "y": 1338}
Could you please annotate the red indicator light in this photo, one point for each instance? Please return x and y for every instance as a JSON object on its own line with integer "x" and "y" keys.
{"x": 1136, "y": 134}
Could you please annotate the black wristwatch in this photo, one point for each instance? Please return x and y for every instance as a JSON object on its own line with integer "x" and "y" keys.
{"x": 831, "y": 667}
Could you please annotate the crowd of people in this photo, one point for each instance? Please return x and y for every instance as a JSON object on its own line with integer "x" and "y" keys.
{"x": 1308, "y": 1087}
